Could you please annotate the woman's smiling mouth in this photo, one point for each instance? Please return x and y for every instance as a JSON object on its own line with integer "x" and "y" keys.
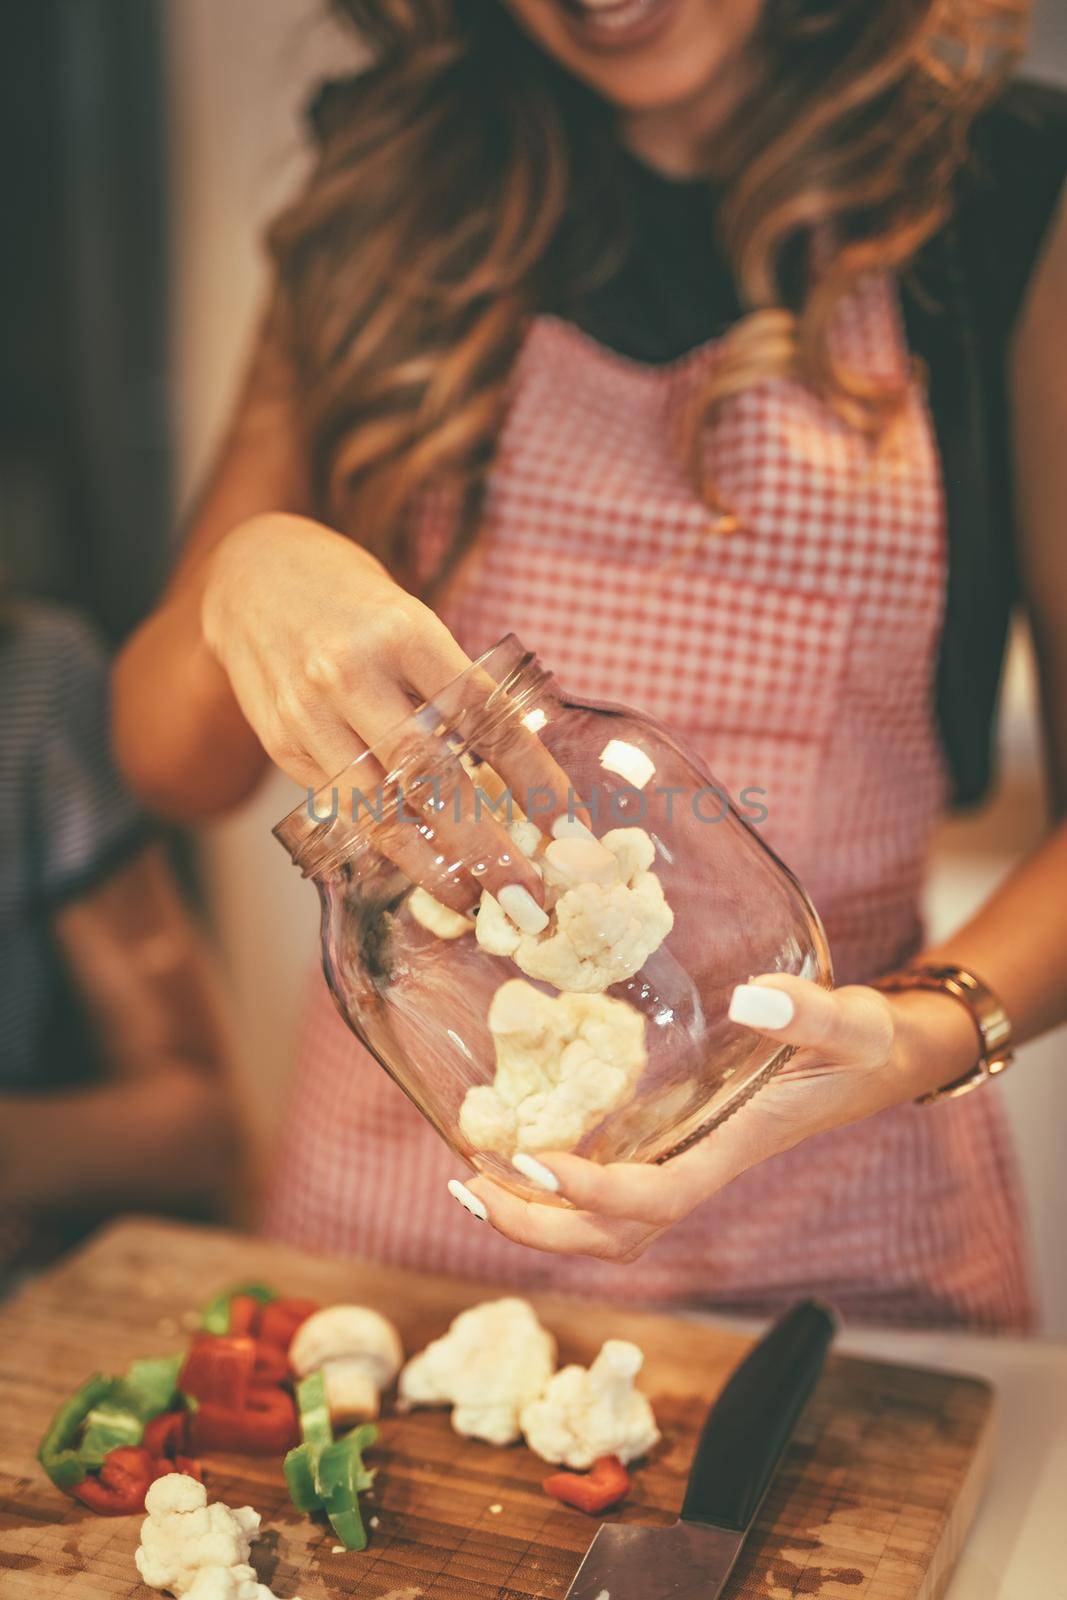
{"x": 616, "y": 24}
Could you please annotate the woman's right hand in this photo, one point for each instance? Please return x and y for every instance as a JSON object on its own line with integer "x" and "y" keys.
{"x": 327, "y": 656}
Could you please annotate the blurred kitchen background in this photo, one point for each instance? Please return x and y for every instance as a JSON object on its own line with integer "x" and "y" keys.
{"x": 147, "y": 142}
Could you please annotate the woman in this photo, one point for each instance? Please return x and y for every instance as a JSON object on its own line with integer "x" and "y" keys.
{"x": 112, "y": 1053}
{"x": 605, "y": 321}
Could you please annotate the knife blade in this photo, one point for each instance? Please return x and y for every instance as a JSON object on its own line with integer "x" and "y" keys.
{"x": 741, "y": 1444}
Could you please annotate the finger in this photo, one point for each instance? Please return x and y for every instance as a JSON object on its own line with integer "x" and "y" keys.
{"x": 631, "y": 1191}
{"x": 282, "y": 743}
{"x": 330, "y": 741}
{"x": 429, "y": 821}
{"x": 535, "y": 780}
{"x": 665, "y": 1193}
{"x": 558, "y": 1229}
{"x": 430, "y": 658}
{"x": 435, "y": 797}
{"x": 659, "y": 1195}
{"x": 843, "y": 1025}
{"x": 344, "y": 788}
{"x": 290, "y": 757}
{"x": 508, "y": 743}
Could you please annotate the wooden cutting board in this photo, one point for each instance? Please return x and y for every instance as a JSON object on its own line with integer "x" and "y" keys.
{"x": 872, "y": 1501}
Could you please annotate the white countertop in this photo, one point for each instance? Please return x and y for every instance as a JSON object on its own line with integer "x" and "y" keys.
{"x": 1017, "y": 1546}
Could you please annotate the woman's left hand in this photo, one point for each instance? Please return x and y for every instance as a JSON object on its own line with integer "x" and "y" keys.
{"x": 857, "y": 1052}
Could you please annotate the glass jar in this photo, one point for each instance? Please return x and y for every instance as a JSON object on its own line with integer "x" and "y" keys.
{"x": 654, "y": 1062}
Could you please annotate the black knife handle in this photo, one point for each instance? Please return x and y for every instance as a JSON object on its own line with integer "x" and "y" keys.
{"x": 752, "y": 1421}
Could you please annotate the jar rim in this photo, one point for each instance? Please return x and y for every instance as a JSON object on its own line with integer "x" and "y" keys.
{"x": 317, "y": 834}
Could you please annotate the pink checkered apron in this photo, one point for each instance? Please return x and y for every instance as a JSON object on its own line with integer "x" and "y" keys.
{"x": 796, "y": 656}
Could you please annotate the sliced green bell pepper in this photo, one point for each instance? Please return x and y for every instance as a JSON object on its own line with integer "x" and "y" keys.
{"x": 119, "y": 1418}
{"x": 106, "y": 1414}
{"x": 150, "y": 1385}
{"x": 316, "y": 1429}
{"x": 215, "y": 1316}
{"x": 108, "y": 1426}
{"x": 340, "y": 1477}
{"x": 359, "y": 1439}
{"x": 324, "y": 1474}
{"x": 56, "y": 1452}
{"x": 299, "y": 1468}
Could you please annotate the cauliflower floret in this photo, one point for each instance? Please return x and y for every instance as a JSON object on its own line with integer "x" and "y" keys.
{"x": 587, "y": 1090}
{"x": 445, "y": 923}
{"x": 494, "y": 930}
{"x": 176, "y": 1544}
{"x": 586, "y": 1413}
{"x": 526, "y": 834}
{"x": 175, "y": 1491}
{"x": 182, "y": 1536}
{"x": 494, "y": 1358}
{"x": 219, "y": 1583}
{"x": 486, "y": 1122}
{"x": 633, "y": 850}
{"x": 563, "y": 1062}
{"x": 229, "y": 1583}
{"x": 437, "y": 918}
{"x": 608, "y": 914}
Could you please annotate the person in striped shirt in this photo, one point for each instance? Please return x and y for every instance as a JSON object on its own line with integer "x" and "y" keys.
{"x": 112, "y": 1056}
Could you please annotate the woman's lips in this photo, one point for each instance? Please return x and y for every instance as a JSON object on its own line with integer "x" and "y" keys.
{"x": 616, "y": 24}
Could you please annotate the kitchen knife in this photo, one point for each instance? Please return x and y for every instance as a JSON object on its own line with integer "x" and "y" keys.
{"x": 744, "y": 1437}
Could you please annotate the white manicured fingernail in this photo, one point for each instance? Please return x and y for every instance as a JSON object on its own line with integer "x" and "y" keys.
{"x": 467, "y": 1200}
{"x": 520, "y": 906}
{"x": 758, "y": 1007}
{"x": 571, "y": 828}
{"x": 536, "y": 1171}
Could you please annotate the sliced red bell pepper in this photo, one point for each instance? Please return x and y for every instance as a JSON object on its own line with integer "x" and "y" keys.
{"x": 167, "y": 1435}
{"x": 280, "y": 1319}
{"x": 245, "y": 1312}
{"x": 593, "y": 1491}
{"x": 272, "y": 1364}
{"x": 215, "y": 1317}
{"x": 125, "y": 1477}
{"x": 265, "y": 1425}
{"x": 163, "y": 1465}
{"x": 218, "y": 1369}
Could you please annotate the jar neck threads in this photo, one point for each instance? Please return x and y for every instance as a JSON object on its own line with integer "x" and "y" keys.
{"x": 409, "y": 773}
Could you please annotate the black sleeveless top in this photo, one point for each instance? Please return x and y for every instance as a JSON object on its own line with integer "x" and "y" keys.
{"x": 672, "y": 291}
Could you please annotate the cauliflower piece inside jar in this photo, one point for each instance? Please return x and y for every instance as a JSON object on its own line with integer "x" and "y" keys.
{"x": 441, "y": 920}
{"x": 585, "y": 1413}
{"x": 607, "y": 914}
{"x": 436, "y": 917}
{"x": 563, "y": 1062}
{"x": 494, "y": 1358}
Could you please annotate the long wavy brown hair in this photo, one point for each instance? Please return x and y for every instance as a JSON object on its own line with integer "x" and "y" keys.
{"x": 466, "y": 182}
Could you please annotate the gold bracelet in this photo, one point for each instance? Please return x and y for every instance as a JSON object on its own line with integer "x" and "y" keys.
{"x": 986, "y": 1012}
